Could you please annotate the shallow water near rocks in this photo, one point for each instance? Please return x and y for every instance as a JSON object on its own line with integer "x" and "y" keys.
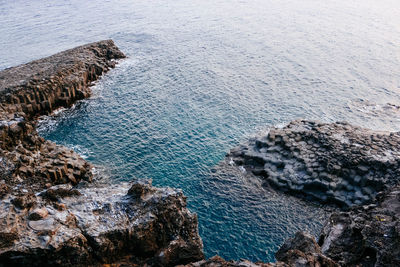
{"x": 200, "y": 78}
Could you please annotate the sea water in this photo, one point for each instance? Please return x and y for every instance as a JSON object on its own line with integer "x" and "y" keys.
{"x": 203, "y": 76}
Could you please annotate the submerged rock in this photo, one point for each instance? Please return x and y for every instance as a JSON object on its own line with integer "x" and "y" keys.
{"x": 334, "y": 163}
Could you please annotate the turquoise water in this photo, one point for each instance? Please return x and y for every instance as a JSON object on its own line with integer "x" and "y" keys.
{"x": 203, "y": 76}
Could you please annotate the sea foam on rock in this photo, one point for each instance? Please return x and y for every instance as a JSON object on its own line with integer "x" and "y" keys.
{"x": 334, "y": 163}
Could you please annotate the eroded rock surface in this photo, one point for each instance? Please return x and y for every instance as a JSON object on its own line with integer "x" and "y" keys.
{"x": 96, "y": 225}
{"x": 50, "y": 215}
{"x": 303, "y": 250}
{"x": 365, "y": 236}
{"x": 329, "y": 162}
{"x": 43, "y": 85}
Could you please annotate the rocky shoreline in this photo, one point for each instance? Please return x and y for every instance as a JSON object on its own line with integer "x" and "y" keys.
{"x": 338, "y": 164}
{"x": 51, "y": 214}
{"x": 333, "y": 163}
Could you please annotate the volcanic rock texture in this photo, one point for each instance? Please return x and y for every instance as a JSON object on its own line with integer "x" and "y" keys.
{"x": 334, "y": 163}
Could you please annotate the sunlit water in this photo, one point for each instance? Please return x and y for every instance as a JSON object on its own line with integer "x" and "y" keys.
{"x": 202, "y": 76}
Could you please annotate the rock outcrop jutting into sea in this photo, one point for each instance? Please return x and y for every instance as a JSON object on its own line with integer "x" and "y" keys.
{"x": 44, "y": 220}
{"x": 52, "y": 215}
{"x": 334, "y": 163}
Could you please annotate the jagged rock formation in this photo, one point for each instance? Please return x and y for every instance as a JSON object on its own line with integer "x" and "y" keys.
{"x": 334, "y": 163}
{"x": 65, "y": 226}
{"x": 303, "y": 250}
{"x": 44, "y": 220}
{"x": 367, "y": 235}
{"x": 356, "y": 168}
{"x": 40, "y": 87}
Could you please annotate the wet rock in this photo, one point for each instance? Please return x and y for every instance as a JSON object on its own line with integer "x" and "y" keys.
{"x": 59, "y": 80}
{"x": 40, "y": 87}
{"x": 301, "y": 250}
{"x": 141, "y": 189}
{"x": 333, "y": 163}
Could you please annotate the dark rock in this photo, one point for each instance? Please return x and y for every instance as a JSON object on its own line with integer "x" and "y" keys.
{"x": 336, "y": 157}
{"x": 59, "y": 192}
{"x": 4, "y": 189}
{"x": 141, "y": 189}
{"x": 38, "y": 214}
{"x": 303, "y": 250}
{"x": 7, "y": 239}
{"x": 301, "y": 241}
{"x": 217, "y": 261}
{"x": 25, "y": 201}
{"x": 365, "y": 236}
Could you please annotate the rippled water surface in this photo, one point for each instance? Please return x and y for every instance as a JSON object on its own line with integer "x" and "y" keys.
{"x": 202, "y": 76}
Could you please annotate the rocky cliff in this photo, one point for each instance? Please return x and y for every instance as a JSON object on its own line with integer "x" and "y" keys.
{"x": 50, "y": 215}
